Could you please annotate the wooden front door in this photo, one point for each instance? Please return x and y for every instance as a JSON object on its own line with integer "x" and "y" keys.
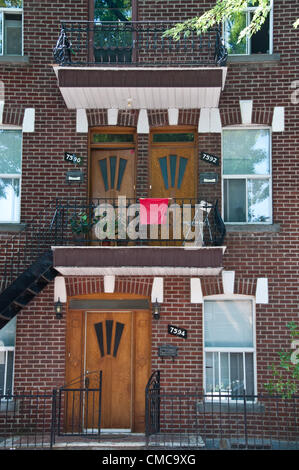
{"x": 173, "y": 167}
{"x": 109, "y": 349}
{"x": 118, "y": 343}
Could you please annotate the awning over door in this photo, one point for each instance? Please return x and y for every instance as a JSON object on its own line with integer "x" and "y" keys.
{"x": 143, "y": 260}
{"x": 145, "y": 88}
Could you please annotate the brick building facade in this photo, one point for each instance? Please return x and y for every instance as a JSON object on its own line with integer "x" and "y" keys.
{"x": 250, "y": 279}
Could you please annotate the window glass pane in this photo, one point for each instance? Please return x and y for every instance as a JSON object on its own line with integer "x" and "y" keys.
{"x": 246, "y": 152}
{"x": 235, "y": 200}
{"x": 10, "y": 152}
{"x": 259, "y": 207}
{"x": 237, "y": 373}
{"x": 260, "y": 40}
{"x": 118, "y": 10}
{"x": 228, "y": 323}
{"x": 9, "y": 200}
{"x": 9, "y": 372}
{"x": 232, "y": 30}
{"x": 249, "y": 373}
{"x": 1, "y": 29}
{"x": 2, "y": 370}
{"x": 13, "y": 34}
{"x": 111, "y": 138}
{"x": 8, "y": 333}
{"x": 224, "y": 366}
{"x": 209, "y": 372}
{"x": 173, "y": 137}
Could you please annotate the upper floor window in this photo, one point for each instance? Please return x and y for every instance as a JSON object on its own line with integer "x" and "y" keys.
{"x": 258, "y": 43}
{"x": 113, "y": 10}
{"x": 10, "y": 174}
{"x": 11, "y": 20}
{"x": 247, "y": 176}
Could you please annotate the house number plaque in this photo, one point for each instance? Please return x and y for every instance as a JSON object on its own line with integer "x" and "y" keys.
{"x": 207, "y": 157}
{"x": 176, "y": 331}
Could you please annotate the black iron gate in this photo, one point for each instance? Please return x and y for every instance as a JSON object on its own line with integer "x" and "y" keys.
{"x": 78, "y": 405}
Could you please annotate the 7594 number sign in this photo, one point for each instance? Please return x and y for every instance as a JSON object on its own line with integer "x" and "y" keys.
{"x": 176, "y": 331}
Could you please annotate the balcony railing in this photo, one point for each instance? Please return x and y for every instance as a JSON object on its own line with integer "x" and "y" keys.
{"x": 119, "y": 222}
{"x": 135, "y": 43}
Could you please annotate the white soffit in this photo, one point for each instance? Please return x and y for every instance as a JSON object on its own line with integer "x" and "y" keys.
{"x": 141, "y": 98}
{"x": 137, "y": 271}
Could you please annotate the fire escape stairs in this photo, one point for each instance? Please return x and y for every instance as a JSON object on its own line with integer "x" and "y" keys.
{"x": 27, "y": 285}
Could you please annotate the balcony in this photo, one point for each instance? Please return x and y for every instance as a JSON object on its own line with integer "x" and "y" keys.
{"x": 105, "y": 64}
{"x": 102, "y": 237}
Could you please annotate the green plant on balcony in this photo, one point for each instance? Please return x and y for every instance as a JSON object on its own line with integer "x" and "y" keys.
{"x": 82, "y": 222}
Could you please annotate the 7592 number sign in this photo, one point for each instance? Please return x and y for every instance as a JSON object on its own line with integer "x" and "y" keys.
{"x": 176, "y": 331}
{"x": 207, "y": 157}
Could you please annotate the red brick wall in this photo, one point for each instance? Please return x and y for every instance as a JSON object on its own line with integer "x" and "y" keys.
{"x": 40, "y": 340}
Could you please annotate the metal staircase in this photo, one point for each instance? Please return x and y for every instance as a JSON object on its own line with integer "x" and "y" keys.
{"x": 28, "y": 264}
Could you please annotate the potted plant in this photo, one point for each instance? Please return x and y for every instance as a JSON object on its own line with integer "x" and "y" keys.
{"x": 81, "y": 224}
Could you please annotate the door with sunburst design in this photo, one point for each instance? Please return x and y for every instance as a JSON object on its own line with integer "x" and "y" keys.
{"x": 173, "y": 169}
{"x": 109, "y": 349}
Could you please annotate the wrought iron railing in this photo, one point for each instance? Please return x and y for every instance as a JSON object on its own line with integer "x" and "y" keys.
{"x": 82, "y": 222}
{"x": 136, "y": 43}
{"x": 194, "y": 419}
{"x": 33, "y": 420}
{"x": 117, "y": 221}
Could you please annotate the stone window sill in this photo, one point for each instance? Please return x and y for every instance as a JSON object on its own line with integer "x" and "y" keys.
{"x": 14, "y": 60}
{"x": 254, "y": 59}
{"x": 12, "y": 227}
{"x": 232, "y": 407}
{"x": 258, "y": 228}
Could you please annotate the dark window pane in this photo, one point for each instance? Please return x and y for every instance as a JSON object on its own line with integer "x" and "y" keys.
{"x": 184, "y": 137}
{"x": 112, "y": 138}
{"x": 235, "y": 200}
{"x": 260, "y": 40}
{"x": 113, "y": 10}
{"x": 13, "y": 34}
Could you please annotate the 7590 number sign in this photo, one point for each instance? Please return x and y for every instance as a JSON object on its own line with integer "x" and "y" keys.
{"x": 176, "y": 331}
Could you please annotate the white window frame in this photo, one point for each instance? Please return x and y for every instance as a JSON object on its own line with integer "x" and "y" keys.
{"x": 13, "y": 175}
{"x": 249, "y": 10}
{"x": 247, "y": 177}
{"x": 12, "y": 11}
{"x": 5, "y": 350}
{"x": 216, "y": 397}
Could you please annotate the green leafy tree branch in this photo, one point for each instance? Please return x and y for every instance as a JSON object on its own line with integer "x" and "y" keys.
{"x": 285, "y": 381}
{"x": 222, "y": 11}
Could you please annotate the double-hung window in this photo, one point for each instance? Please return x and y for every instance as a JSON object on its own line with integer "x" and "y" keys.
{"x": 11, "y": 21}
{"x": 10, "y": 175}
{"x": 247, "y": 195}
{"x": 229, "y": 348}
{"x": 259, "y": 43}
{"x": 7, "y": 349}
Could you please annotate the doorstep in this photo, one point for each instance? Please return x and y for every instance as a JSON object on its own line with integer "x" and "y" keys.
{"x": 106, "y": 441}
